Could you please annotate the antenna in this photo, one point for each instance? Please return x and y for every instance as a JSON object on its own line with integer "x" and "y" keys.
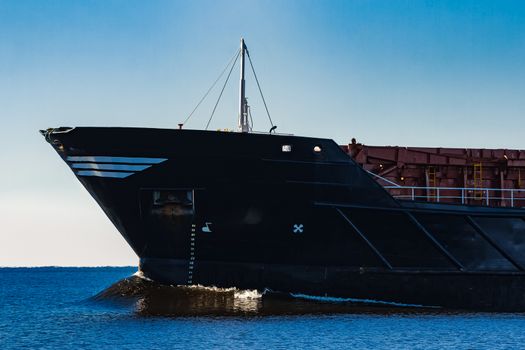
{"x": 244, "y": 124}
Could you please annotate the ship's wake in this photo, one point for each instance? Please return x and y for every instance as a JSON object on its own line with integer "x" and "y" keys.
{"x": 149, "y": 298}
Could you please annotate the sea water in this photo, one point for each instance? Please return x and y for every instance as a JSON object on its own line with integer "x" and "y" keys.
{"x": 108, "y": 308}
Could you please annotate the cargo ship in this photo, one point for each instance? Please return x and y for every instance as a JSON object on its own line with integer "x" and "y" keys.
{"x": 424, "y": 227}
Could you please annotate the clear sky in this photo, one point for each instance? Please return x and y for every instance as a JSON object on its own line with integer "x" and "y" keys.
{"x": 418, "y": 73}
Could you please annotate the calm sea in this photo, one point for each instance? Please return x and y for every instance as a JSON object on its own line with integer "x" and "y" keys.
{"x": 94, "y": 308}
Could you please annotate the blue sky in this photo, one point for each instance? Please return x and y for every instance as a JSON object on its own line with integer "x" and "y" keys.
{"x": 418, "y": 73}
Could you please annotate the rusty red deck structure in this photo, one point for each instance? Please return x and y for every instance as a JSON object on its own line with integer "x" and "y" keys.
{"x": 494, "y": 177}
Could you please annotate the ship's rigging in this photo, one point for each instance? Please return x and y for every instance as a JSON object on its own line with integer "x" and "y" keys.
{"x": 245, "y": 120}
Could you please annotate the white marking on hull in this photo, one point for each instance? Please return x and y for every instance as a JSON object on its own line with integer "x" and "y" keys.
{"x": 117, "y": 167}
{"x": 114, "y": 174}
{"x": 123, "y": 167}
{"x": 106, "y": 159}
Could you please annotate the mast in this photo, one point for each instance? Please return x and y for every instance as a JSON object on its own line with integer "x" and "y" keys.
{"x": 244, "y": 125}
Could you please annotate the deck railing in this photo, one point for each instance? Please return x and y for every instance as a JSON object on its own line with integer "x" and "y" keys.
{"x": 495, "y": 197}
{"x": 466, "y": 195}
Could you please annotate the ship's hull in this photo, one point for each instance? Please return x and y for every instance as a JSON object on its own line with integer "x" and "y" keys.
{"x": 427, "y": 289}
{"x": 246, "y": 210}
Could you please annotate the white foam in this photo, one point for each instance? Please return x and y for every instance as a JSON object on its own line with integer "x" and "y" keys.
{"x": 140, "y": 274}
{"x": 247, "y": 294}
{"x": 356, "y": 300}
{"x": 237, "y": 293}
{"x": 209, "y": 288}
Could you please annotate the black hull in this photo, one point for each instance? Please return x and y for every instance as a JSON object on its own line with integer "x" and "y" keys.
{"x": 231, "y": 209}
{"x": 426, "y": 289}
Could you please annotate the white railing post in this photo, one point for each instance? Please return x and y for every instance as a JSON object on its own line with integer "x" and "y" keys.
{"x": 437, "y": 193}
{"x": 462, "y": 196}
{"x": 512, "y": 198}
{"x": 487, "y": 196}
{"x": 413, "y": 193}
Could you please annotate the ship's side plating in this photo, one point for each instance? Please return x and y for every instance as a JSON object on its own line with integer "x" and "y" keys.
{"x": 291, "y": 214}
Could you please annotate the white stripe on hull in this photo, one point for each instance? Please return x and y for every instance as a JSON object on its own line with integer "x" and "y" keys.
{"x": 105, "y": 159}
{"x": 112, "y": 167}
{"x": 106, "y": 166}
{"x": 114, "y": 174}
